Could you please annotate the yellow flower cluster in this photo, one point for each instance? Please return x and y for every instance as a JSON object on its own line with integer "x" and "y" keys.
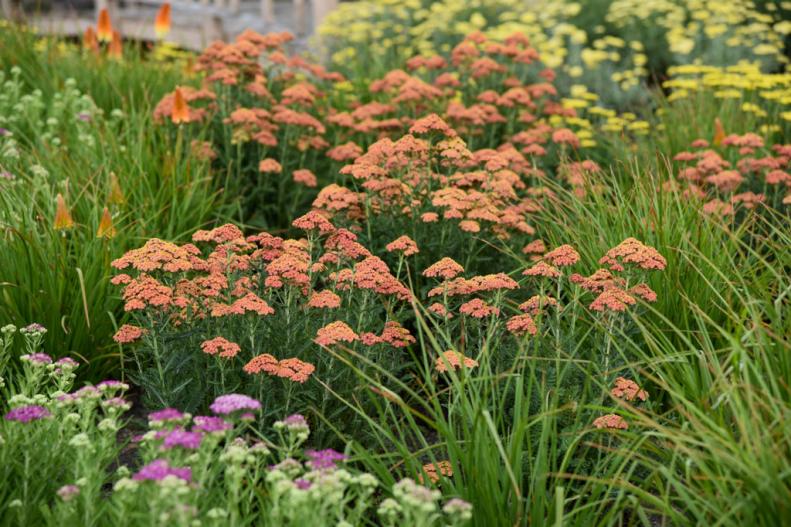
{"x": 642, "y": 34}
{"x": 765, "y": 96}
{"x": 708, "y": 30}
{"x": 594, "y": 120}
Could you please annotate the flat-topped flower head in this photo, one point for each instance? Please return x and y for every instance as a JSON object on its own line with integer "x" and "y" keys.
{"x": 183, "y": 439}
{"x": 270, "y": 166}
{"x": 403, "y": 244}
{"x": 228, "y": 404}
{"x": 66, "y": 364}
{"x": 159, "y": 469}
{"x": 227, "y": 233}
{"x": 432, "y": 123}
{"x": 535, "y": 247}
{"x": 453, "y": 360}
{"x": 292, "y": 369}
{"x": 628, "y": 389}
{"x": 436, "y": 471}
{"x": 33, "y": 329}
{"x": 111, "y": 386}
{"x": 210, "y": 424}
{"x": 305, "y": 177}
{"x": 542, "y": 269}
{"x": 478, "y": 308}
{"x": 440, "y": 310}
{"x": 613, "y": 299}
{"x": 644, "y": 292}
{"x": 37, "y": 359}
{"x": 26, "y": 414}
{"x": 597, "y": 282}
{"x": 295, "y": 423}
{"x": 166, "y": 415}
{"x": 335, "y": 332}
{"x": 611, "y": 421}
{"x": 446, "y": 268}
{"x": 218, "y": 345}
{"x": 128, "y": 333}
{"x": 562, "y": 256}
{"x": 537, "y": 304}
{"x": 324, "y": 459}
{"x": 633, "y": 251}
{"x": 68, "y": 492}
{"x": 521, "y": 325}
{"x": 314, "y": 220}
{"x": 155, "y": 255}
{"x": 324, "y": 300}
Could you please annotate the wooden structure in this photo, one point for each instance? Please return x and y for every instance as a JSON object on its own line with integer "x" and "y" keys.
{"x": 195, "y": 23}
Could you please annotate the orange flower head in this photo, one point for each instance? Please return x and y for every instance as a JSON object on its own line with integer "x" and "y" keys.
{"x": 270, "y": 165}
{"x": 181, "y": 111}
{"x": 403, "y": 244}
{"x": 435, "y": 471}
{"x": 162, "y": 21}
{"x": 89, "y": 40}
{"x": 116, "y": 49}
{"x": 453, "y": 360}
{"x": 225, "y": 348}
{"x": 104, "y": 28}
{"x": 127, "y": 334}
{"x": 63, "y": 219}
{"x": 106, "y": 228}
{"x": 446, "y": 268}
{"x": 628, "y": 389}
{"x": 611, "y": 421}
{"x": 521, "y": 325}
{"x": 335, "y": 332}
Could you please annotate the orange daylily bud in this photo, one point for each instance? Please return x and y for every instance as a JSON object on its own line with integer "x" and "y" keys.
{"x": 104, "y": 28}
{"x": 116, "y": 48}
{"x": 181, "y": 111}
{"x": 162, "y": 22}
{"x": 719, "y": 132}
{"x": 106, "y": 228}
{"x": 63, "y": 219}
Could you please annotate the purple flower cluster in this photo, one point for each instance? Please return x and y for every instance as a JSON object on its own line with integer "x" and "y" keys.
{"x": 208, "y": 424}
{"x": 159, "y": 469}
{"x": 178, "y": 437}
{"x": 33, "y": 329}
{"x": 302, "y": 484}
{"x": 324, "y": 459}
{"x": 37, "y": 358}
{"x": 111, "y": 384}
{"x": 86, "y": 392}
{"x": 25, "y": 414}
{"x": 163, "y": 416}
{"x": 234, "y": 402}
{"x": 295, "y": 421}
{"x": 67, "y": 363}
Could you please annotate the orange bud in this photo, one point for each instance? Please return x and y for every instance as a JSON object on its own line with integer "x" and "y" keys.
{"x": 719, "y": 132}
{"x": 162, "y": 22}
{"x": 63, "y": 219}
{"x": 106, "y": 228}
{"x": 116, "y": 49}
{"x": 104, "y": 28}
{"x": 116, "y": 194}
{"x": 181, "y": 111}
{"x": 89, "y": 40}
